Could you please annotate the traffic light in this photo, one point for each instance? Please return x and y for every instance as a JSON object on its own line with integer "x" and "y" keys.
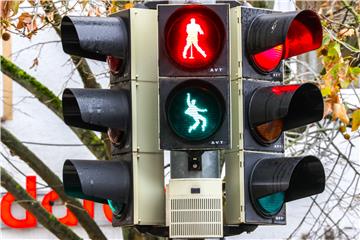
{"x": 175, "y": 86}
{"x": 132, "y": 182}
{"x": 194, "y": 76}
{"x": 259, "y": 178}
{"x": 194, "y": 99}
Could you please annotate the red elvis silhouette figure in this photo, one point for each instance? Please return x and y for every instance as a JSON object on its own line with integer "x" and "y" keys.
{"x": 192, "y": 30}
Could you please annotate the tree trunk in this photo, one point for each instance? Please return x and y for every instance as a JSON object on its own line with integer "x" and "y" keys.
{"x": 53, "y": 181}
{"x": 29, "y": 203}
{"x": 49, "y": 99}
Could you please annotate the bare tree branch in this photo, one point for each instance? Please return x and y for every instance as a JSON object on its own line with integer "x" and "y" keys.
{"x": 352, "y": 10}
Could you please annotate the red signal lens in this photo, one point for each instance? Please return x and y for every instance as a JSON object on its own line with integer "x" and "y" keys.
{"x": 304, "y": 34}
{"x": 115, "y": 64}
{"x": 194, "y": 36}
{"x": 269, "y": 59}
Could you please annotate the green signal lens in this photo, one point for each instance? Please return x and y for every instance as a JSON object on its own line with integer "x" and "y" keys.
{"x": 271, "y": 204}
{"x": 195, "y": 110}
{"x": 116, "y": 208}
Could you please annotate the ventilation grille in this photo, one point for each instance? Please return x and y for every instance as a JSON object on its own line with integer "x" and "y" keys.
{"x": 201, "y": 217}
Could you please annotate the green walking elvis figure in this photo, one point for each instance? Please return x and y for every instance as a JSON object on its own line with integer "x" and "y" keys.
{"x": 193, "y": 111}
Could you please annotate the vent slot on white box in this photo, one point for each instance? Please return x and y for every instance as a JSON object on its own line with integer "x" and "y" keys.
{"x": 198, "y": 217}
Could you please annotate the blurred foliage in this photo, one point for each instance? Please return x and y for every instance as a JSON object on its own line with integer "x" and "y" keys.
{"x": 25, "y": 18}
{"x": 339, "y": 56}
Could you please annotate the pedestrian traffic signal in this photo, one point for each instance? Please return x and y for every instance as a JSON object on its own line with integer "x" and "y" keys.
{"x": 194, "y": 94}
{"x": 132, "y": 183}
{"x": 259, "y": 178}
{"x": 194, "y": 36}
{"x": 202, "y": 111}
{"x": 194, "y": 76}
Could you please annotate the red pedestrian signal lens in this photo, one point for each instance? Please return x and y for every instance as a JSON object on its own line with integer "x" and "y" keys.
{"x": 194, "y": 36}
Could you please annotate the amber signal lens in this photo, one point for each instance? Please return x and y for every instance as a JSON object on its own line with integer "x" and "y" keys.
{"x": 269, "y": 132}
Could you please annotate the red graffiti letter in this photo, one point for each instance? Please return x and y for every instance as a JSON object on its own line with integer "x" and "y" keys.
{"x": 108, "y": 212}
{"x": 89, "y": 207}
{"x": 6, "y": 216}
{"x": 69, "y": 219}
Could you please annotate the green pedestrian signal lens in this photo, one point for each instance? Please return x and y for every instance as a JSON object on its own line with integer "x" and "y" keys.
{"x": 195, "y": 110}
{"x": 271, "y": 204}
